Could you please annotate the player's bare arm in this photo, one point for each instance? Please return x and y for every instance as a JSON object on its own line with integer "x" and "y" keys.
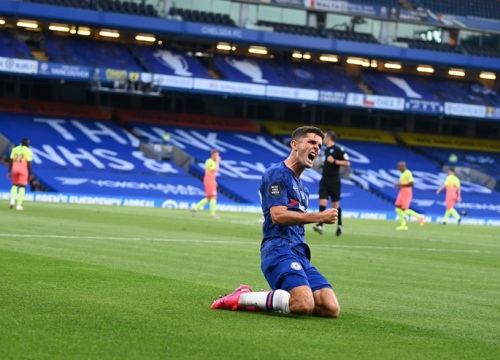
{"x": 281, "y": 216}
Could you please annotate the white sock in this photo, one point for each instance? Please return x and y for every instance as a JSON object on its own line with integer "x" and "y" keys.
{"x": 277, "y": 300}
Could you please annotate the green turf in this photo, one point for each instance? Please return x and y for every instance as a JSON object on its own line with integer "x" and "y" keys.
{"x": 88, "y": 282}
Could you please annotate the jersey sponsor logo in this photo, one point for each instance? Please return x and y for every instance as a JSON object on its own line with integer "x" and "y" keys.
{"x": 275, "y": 189}
{"x": 296, "y": 266}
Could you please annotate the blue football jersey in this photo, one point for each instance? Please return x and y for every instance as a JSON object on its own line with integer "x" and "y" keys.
{"x": 280, "y": 187}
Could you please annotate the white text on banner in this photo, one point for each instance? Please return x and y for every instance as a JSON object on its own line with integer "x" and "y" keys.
{"x": 18, "y": 65}
{"x": 168, "y": 80}
{"x": 231, "y": 87}
{"x": 375, "y": 101}
{"x": 292, "y": 93}
{"x": 458, "y": 109}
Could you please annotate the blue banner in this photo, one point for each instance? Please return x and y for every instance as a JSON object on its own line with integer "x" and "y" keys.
{"x": 424, "y": 106}
{"x": 348, "y": 7}
{"x": 65, "y": 71}
{"x": 220, "y": 32}
{"x": 299, "y": 3}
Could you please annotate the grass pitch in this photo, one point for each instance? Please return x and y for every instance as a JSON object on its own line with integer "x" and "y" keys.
{"x": 99, "y": 282}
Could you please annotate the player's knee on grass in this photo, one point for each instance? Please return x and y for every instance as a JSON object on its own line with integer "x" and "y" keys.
{"x": 326, "y": 303}
{"x": 301, "y": 301}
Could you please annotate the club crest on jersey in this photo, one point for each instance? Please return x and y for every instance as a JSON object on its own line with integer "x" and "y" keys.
{"x": 275, "y": 189}
{"x": 296, "y": 266}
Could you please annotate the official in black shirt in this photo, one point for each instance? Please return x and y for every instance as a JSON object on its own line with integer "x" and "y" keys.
{"x": 329, "y": 186}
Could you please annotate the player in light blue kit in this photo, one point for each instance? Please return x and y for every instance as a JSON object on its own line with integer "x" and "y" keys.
{"x": 297, "y": 286}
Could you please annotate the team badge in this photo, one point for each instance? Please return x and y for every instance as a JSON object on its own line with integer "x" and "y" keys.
{"x": 296, "y": 266}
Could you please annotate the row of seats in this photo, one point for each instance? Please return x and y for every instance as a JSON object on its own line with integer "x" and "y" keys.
{"x": 202, "y": 16}
{"x": 386, "y": 3}
{"x": 429, "y": 89}
{"x": 10, "y": 46}
{"x": 430, "y": 45}
{"x": 87, "y": 52}
{"x": 127, "y": 7}
{"x": 324, "y": 33}
{"x": 293, "y": 29}
{"x": 481, "y": 51}
{"x": 135, "y": 8}
{"x": 464, "y": 48}
{"x": 116, "y": 6}
{"x": 83, "y": 4}
{"x": 114, "y": 166}
{"x": 352, "y": 36}
{"x": 163, "y": 60}
{"x": 480, "y": 8}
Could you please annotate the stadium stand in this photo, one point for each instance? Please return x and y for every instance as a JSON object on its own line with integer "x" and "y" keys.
{"x": 352, "y": 36}
{"x": 284, "y": 73}
{"x": 242, "y": 148}
{"x": 293, "y": 29}
{"x": 427, "y": 88}
{"x": 487, "y": 45}
{"x": 374, "y": 157}
{"x": 113, "y": 6}
{"x": 169, "y": 61}
{"x": 387, "y": 3}
{"x": 484, "y": 8}
{"x": 478, "y": 160}
{"x": 245, "y": 151}
{"x": 35, "y": 108}
{"x": 87, "y": 52}
{"x": 323, "y": 33}
{"x": 202, "y": 16}
{"x": 127, "y": 7}
{"x": 93, "y": 156}
{"x": 430, "y": 45}
{"x": 83, "y": 4}
{"x": 11, "y": 46}
{"x": 245, "y": 156}
{"x": 379, "y": 174}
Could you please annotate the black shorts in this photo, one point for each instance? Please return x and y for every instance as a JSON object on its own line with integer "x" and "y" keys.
{"x": 329, "y": 188}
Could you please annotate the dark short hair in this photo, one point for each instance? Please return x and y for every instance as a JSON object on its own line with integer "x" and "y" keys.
{"x": 451, "y": 169}
{"x": 213, "y": 151}
{"x": 302, "y": 131}
{"x": 25, "y": 141}
{"x": 331, "y": 134}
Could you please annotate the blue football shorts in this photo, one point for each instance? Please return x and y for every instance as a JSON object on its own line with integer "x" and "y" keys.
{"x": 289, "y": 269}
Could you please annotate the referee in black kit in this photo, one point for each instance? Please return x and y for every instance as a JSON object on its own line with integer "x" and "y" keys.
{"x": 329, "y": 186}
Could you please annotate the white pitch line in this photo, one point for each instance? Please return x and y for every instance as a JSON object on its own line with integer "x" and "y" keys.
{"x": 409, "y": 249}
{"x": 225, "y": 242}
{"x": 123, "y": 238}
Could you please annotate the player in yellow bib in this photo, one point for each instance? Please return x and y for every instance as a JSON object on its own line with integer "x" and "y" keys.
{"x": 405, "y": 196}
{"x": 452, "y": 185}
{"x": 210, "y": 182}
{"x": 20, "y": 172}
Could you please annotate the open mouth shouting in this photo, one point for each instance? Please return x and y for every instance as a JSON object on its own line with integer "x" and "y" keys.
{"x": 312, "y": 156}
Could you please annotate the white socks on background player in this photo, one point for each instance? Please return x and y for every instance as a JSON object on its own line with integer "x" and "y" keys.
{"x": 277, "y": 300}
